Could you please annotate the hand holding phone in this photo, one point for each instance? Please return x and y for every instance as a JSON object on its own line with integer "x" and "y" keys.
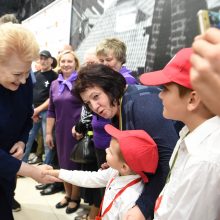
{"x": 208, "y": 19}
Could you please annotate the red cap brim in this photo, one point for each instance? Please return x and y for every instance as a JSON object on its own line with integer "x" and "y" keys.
{"x": 155, "y": 78}
{"x": 114, "y": 132}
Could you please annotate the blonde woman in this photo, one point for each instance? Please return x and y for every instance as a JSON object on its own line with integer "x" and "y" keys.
{"x": 18, "y": 48}
{"x": 63, "y": 112}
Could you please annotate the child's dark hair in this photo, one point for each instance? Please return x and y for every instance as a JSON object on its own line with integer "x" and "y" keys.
{"x": 183, "y": 90}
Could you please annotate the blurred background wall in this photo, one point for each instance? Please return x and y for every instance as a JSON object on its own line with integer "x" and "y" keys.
{"x": 153, "y": 30}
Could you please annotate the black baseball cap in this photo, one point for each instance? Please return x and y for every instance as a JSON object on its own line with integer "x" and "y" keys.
{"x": 45, "y": 53}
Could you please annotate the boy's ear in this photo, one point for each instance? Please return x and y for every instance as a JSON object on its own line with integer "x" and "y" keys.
{"x": 193, "y": 101}
{"x": 125, "y": 168}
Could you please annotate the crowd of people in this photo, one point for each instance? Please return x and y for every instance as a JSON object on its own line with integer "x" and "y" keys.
{"x": 155, "y": 138}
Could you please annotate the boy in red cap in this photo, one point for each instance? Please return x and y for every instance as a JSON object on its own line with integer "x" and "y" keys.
{"x": 192, "y": 186}
{"x": 124, "y": 179}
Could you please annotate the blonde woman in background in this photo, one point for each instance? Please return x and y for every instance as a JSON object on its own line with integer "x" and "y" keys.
{"x": 8, "y": 18}
{"x": 63, "y": 112}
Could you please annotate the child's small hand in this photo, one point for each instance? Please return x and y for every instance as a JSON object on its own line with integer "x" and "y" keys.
{"x": 54, "y": 173}
{"x": 104, "y": 166}
{"x": 41, "y": 173}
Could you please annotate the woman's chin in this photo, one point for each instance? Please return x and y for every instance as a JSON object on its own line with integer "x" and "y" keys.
{"x": 12, "y": 86}
{"x": 105, "y": 115}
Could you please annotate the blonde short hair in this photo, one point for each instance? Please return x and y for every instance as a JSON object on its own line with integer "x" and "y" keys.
{"x": 67, "y": 52}
{"x": 17, "y": 40}
{"x": 117, "y": 46}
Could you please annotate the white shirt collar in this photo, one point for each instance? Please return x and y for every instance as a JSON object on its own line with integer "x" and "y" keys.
{"x": 197, "y": 136}
{"x": 121, "y": 181}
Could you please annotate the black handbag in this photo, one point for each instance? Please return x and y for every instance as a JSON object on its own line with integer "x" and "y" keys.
{"x": 83, "y": 151}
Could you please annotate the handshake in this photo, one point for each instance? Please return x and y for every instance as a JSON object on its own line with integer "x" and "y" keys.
{"x": 42, "y": 174}
{"x": 49, "y": 173}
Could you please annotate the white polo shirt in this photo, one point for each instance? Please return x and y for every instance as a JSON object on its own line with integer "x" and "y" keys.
{"x": 193, "y": 189}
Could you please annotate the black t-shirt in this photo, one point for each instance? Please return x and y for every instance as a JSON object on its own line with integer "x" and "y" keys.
{"x": 42, "y": 86}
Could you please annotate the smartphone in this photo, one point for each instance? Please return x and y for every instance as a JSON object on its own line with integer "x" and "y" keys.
{"x": 208, "y": 19}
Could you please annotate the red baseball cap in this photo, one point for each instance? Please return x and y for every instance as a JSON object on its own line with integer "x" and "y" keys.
{"x": 138, "y": 149}
{"x": 177, "y": 70}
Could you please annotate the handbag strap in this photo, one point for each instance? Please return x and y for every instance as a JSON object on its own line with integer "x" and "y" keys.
{"x": 120, "y": 114}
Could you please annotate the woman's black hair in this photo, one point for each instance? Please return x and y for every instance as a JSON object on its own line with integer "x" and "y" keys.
{"x": 109, "y": 80}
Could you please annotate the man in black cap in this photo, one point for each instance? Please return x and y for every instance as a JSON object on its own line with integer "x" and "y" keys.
{"x": 44, "y": 77}
{"x": 46, "y": 54}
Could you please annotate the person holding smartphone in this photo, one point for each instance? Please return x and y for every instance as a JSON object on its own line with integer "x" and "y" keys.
{"x": 205, "y": 70}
